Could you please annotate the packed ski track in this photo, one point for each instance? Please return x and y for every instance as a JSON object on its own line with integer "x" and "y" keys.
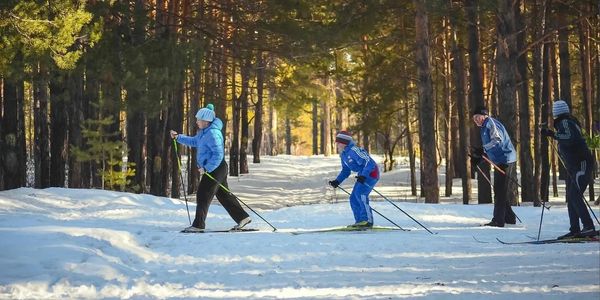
{"x": 76, "y": 243}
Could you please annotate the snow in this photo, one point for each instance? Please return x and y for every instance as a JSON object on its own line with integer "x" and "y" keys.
{"x": 75, "y": 243}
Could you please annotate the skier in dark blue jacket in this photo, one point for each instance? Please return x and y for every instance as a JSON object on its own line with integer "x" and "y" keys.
{"x": 356, "y": 159}
{"x": 579, "y": 163}
{"x": 500, "y": 150}
{"x": 210, "y": 158}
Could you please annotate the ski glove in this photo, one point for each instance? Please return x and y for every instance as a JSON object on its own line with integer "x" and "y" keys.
{"x": 477, "y": 151}
{"x": 334, "y": 183}
{"x": 547, "y": 132}
{"x": 360, "y": 179}
{"x": 475, "y": 160}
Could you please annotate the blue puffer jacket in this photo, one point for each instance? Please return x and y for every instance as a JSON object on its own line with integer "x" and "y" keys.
{"x": 496, "y": 142}
{"x": 356, "y": 159}
{"x": 209, "y": 142}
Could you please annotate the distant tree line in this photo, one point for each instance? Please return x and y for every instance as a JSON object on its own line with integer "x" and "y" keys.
{"x": 91, "y": 88}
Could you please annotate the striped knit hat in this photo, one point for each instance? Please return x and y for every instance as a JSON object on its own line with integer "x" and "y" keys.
{"x": 343, "y": 137}
{"x": 207, "y": 113}
{"x": 559, "y": 107}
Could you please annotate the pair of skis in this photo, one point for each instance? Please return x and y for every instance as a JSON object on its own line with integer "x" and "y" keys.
{"x": 574, "y": 240}
{"x": 320, "y": 230}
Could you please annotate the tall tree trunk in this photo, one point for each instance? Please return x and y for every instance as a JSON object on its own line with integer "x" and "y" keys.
{"x": 58, "y": 125}
{"x": 194, "y": 105}
{"x": 288, "y": 136}
{"x": 235, "y": 128}
{"x": 315, "y": 127}
{"x": 459, "y": 77}
{"x": 426, "y": 105}
{"x": 563, "y": 52}
{"x": 244, "y": 98}
{"x": 176, "y": 121}
{"x": 546, "y": 106}
{"x": 537, "y": 61}
{"x": 273, "y": 128}
{"x": 42, "y": 136}
{"x": 76, "y": 112}
{"x": 484, "y": 190}
{"x": 586, "y": 79}
{"x": 506, "y": 64}
{"x": 527, "y": 180}
{"x": 448, "y": 108}
{"x": 326, "y": 127}
{"x": 258, "y": 108}
{"x": 11, "y": 163}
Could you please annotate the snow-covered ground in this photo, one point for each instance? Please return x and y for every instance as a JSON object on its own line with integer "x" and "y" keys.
{"x": 66, "y": 243}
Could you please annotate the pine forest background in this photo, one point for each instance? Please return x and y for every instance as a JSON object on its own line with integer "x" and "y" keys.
{"x": 90, "y": 88}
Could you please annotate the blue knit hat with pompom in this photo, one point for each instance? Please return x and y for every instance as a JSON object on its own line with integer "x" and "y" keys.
{"x": 207, "y": 113}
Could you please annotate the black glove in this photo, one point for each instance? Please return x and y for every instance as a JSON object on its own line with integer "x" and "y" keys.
{"x": 547, "y": 132}
{"x": 475, "y": 160}
{"x": 334, "y": 183}
{"x": 477, "y": 152}
{"x": 360, "y": 178}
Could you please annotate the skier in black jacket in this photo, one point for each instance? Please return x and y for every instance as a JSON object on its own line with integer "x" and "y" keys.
{"x": 579, "y": 163}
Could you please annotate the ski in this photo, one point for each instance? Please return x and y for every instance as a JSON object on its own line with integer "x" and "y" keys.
{"x": 554, "y": 241}
{"x": 221, "y": 230}
{"x": 350, "y": 229}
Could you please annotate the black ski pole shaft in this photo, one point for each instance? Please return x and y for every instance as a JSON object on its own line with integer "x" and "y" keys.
{"x": 540, "y": 227}
{"x": 490, "y": 182}
{"x": 572, "y": 180}
{"x": 376, "y": 211}
{"x": 236, "y": 197}
{"x": 394, "y": 204}
{"x": 181, "y": 177}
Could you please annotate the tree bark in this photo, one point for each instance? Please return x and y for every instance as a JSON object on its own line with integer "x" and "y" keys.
{"x": 484, "y": 190}
{"x": 586, "y": 80}
{"x": 459, "y": 77}
{"x": 258, "y": 109}
{"x": 58, "y": 127}
{"x": 11, "y": 159}
{"x": 76, "y": 112}
{"x": 426, "y": 105}
{"x": 506, "y": 64}
{"x": 315, "y": 127}
{"x": 537, "y": 67}
{"x": 245, "y": 123}
{"x": 546, "y": 106}
{"x": 527, "y": 179}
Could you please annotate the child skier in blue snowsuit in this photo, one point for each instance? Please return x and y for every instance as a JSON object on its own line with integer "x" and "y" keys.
{"x": 355, "y": 159}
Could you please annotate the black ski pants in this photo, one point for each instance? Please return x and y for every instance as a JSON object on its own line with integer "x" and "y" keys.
{"x": 208, "y": 188}
{"x": 503, "y": 212}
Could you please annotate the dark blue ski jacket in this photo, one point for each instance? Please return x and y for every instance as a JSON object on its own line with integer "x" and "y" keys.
{"x": 571, "y": 143}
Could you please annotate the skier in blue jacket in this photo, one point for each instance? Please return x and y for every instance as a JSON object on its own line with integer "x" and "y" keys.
{"x": 210, "y": 156}
{"x": 356, "y": 159}
{"x": 579, "y": 163}
{"x": 500, "y": 150}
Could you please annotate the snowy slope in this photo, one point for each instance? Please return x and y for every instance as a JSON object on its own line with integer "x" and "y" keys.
{"x": 67, "y": 243}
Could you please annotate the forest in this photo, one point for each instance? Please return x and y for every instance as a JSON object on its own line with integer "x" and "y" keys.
{"x": 91, "y": 88}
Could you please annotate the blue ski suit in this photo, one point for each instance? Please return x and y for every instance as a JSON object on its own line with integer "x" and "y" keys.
{"x": 355, "y": 159}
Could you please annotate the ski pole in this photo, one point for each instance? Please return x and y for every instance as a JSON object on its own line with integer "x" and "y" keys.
{"x": 236, "y": 197}
{"x": 181, "y": 176}
{"x": 574, "y": 182}
{"x": 394, "y": 204}
{"x": 377, "y": 212}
